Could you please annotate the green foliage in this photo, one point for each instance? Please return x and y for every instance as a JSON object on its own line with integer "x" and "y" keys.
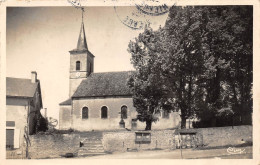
{"x": 200, "y": 63}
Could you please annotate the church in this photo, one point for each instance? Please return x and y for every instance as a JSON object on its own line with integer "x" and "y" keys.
{"x": 101, "y": 101}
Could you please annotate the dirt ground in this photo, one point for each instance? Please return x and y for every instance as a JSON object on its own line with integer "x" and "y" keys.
{"x": 239, "y": 153}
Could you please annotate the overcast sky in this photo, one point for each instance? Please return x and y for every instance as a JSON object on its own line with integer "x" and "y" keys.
{"x": 39, "y": 38}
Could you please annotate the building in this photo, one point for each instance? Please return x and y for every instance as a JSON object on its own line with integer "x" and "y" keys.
{"x": 23, "y": 105}
{"x": 98, "y": 101}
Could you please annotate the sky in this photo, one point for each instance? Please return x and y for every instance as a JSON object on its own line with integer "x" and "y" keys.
{"x": 40, "y": 38}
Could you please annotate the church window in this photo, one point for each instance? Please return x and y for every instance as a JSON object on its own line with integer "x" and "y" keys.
{"x": 165, "y": 114}
{"x": 78, "y": 65}
{"x": 104, "y": 112}
{"x": 85, "y": 113}
{"x": 124, "y": 112}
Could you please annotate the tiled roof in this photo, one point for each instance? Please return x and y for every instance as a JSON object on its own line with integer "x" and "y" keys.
{"x": 66, "y": 102}
{"x": 18, "y": 87}
{"x": 104, "y": 84}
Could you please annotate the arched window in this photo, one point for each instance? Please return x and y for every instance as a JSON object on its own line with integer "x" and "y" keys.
{"x": 165, "y": 114}
{"x": 124, "y": 112}
{"x": 85, "y": 113}
{"x": 78, "y": 65}
{"x": 104, "y": 112}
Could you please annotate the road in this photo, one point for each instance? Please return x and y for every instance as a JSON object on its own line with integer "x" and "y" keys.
{"x": 245, "y": 153}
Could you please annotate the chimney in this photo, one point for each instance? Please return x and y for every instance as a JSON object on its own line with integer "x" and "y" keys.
{"x": 34, "y": 77}
{"x": 45, "y": 112}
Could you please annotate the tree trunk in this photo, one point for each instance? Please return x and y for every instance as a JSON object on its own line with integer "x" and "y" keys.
{"x": 213, "y": 122}
{"x": 183, "y": 122}
{"x": 148, "y": 125}
{"x": 189, "y": 95}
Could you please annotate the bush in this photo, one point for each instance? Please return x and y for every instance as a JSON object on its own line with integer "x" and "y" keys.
{"x": 221, "y": 121}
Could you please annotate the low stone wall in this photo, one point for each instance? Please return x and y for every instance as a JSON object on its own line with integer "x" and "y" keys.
{"x": 53, "y": 146}
{"x": 125, "y": 141}
{"x": 169, "y": 139}
{"x": 222, "y": 136}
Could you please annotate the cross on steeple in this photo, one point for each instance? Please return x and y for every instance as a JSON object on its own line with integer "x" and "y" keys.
{"x": 82, "y": 9}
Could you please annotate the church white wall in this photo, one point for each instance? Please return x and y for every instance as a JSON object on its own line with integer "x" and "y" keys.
{"x": 85, "y": 61}
{"x": 82, "y": 57}
{"x": 94, "y": 122}
{"x": 173, "y": 121}
{"x": 74, "y": 83}
{"x": 65, "y": 117}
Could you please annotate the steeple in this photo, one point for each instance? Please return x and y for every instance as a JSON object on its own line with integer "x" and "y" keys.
{"x": 81, "y": 61}
{"x": 82, "y": 42}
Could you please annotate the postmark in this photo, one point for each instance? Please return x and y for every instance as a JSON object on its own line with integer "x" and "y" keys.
{"x": 136, "y": 16}
{"x": 131, "y": 17}
{"x": 157, "y": 8}
{"x": 147, "y": 13}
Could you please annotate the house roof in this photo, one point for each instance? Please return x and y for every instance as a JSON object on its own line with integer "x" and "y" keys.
{"x": 66, "y": 102}
{"x": 105, "y": 84}
{"x": 18, "y": 87}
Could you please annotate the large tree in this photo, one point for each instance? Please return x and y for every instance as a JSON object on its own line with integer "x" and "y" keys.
{"x": 147, "y": 82}
{"x": 184, "y": 58}
{"x": 228, "y": 66}
{"x": 199, "y": 62}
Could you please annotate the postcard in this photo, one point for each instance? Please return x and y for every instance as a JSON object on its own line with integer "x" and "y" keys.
{"x": 129, "y": 82}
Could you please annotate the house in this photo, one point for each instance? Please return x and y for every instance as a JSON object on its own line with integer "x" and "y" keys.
{"x": 101, "y": 101}
{"x": 23, "y": 105}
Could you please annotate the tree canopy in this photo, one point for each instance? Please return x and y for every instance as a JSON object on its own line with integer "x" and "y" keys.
{"x": 199, "y": 63}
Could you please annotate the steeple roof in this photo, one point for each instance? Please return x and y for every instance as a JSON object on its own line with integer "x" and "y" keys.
{"x": 82, "y": 42}
{"x": 82, "y": 46}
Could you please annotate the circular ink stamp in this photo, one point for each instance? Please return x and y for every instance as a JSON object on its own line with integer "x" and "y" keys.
{"x": 147, "y": 13}
{"x": 153, "y": 8}
{"x": 131, "y": 17}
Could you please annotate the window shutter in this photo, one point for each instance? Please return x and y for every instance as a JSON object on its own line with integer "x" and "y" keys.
{"x": 17, "y": 138}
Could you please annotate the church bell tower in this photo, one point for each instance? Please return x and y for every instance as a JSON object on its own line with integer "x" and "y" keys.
{"x": 81, "y": 61}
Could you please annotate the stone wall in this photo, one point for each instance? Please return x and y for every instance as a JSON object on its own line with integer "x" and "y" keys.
{"x": 56, "y": 145}
{"x": 169, "y": 139}
{"x": 222, "y": 136}
{"x": 53, "y": 146}
{"x": 125, "y": 141}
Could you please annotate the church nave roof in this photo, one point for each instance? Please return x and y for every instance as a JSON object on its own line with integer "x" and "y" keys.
{"x": 105, "y": 84}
